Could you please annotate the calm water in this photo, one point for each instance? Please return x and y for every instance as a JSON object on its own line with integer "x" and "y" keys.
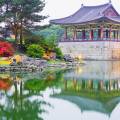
{"x": 88, "y": 92}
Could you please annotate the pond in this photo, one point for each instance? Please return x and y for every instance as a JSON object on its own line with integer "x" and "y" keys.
{"x": 85, "y": 92}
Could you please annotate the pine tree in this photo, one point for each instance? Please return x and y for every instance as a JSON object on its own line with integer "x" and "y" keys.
{"x": 22, "y": 14}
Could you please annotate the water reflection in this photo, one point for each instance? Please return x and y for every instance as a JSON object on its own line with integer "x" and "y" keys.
{"x": 15, "y": 102}
{"x": 91, "y": 91}
{"x": 99, "y": 75}
{"x": 78, "y": 85}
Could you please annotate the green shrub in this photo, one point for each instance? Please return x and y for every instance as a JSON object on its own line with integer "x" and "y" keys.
{"x": 33, "y": 39}
{"x": 58, "y": 53}
{"x": 35, "y": 51}
{"x": 50, "y": 42}
{"x": 35, "y": 85}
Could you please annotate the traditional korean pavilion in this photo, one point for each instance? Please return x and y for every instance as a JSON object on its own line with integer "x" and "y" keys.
{"x": 95, "y": 32}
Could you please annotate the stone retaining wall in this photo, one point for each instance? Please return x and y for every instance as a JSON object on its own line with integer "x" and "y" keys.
{"x": 28, "y": 65}
{"x": 100, "y": 50}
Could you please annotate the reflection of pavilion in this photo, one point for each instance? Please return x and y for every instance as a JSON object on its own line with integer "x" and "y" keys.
{"x": 87, "y": 105}
{"x": 93, "y": 87}
{"x": 96, "y": 75}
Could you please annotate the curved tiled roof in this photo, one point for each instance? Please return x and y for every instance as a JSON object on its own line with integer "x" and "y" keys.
{"x": 115, "y": 19}
{"x": 86, "y": 14}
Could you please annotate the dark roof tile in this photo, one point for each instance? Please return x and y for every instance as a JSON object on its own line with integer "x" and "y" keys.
{"x": 85, "y": 14}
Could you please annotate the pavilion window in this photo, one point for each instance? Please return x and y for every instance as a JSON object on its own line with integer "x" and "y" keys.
{"x": 95, "y": 34}
{"x": 70, "y": 35}
{"x": 87, "y": 35}
{"x": 79, "y": 35}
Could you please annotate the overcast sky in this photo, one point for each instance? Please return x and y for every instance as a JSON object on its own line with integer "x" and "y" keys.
{"x": 62, "y": 8}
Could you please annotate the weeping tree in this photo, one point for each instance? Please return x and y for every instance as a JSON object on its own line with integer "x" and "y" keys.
{"x": 20, "y": 15}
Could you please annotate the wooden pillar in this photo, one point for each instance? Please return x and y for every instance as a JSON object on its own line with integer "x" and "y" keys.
{"x": 101, "y": 32}
{"x": 97, "y": 36}
{"x": 65, "y": 34}
{"x": 74, "y": 34}
{"x": 92, "y": 34}
{"x": 90, "y": 37}
{"x": 107, "y": 34}
{"x": 114, "y": 34}
{"x": 83, "y": 35}
{"x": 117, "y": 35}
{"x": 80, "y": 37}
{"x": 110, "y": 35}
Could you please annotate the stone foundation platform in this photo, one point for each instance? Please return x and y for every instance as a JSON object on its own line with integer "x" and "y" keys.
{"x": 95, "y": 50}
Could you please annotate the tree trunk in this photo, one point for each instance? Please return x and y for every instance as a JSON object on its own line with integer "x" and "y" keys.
{"x": 21, "y": 34}
{"x": 16, "y": 38}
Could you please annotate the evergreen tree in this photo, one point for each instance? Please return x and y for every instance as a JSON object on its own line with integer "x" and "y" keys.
{"x": 22, "y": 14}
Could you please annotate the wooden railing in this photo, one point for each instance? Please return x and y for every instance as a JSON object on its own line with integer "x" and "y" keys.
{"x": 89, "y": 40}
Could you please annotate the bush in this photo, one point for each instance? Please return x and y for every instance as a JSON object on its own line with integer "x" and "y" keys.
{"x": 58, "y": 53}
{"x": 35, "y": 51}
{"x": 50, "y": 43}
{"x": 33, "y": 39}
{"x": 6, "y": 49}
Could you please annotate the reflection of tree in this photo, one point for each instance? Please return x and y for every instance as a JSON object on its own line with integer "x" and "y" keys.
{"x": 28, "y": 111}
{"x": 20, "y": 107}
{"x": 36, "y": 85}
{"x": 20, "y": 104}
{"x": 5, "y": 82}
